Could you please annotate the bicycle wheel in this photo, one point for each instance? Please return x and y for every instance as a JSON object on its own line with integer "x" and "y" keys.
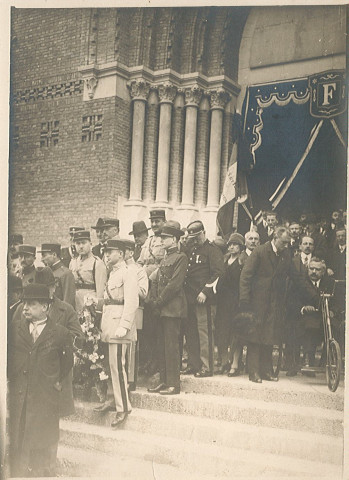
{"x": 334, "y": 365}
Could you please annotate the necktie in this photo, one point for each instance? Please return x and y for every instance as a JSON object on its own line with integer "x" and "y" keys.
{"x": 35, "y": 333}
{"x": 305, "y": 260}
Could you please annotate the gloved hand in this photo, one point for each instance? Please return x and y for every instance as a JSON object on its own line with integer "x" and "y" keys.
{"x": 120, "y": 332}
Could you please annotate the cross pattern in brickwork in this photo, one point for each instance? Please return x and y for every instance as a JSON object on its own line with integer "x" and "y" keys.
{"x": 49, "y": 133}
{"x": 91, "y": 128}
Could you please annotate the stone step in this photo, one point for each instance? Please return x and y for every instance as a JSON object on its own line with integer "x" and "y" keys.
{"x": 305, "y": 445}
{"x": 73, "y": 462}
{"x": 300, "y": 390}
{"x": 253, "y": 412}
{"x": 187, "y": 455}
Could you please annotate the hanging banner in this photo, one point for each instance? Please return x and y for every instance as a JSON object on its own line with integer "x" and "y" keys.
{"x": 327, "y": 94}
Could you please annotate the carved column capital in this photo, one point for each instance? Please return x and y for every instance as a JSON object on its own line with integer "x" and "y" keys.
{"x": 139, "y": 89}
{"x": 218, "y": 98}
{"x": 167, "y": 92}
{"x": 91, "y": 83}
{"x": 193, "y": 96}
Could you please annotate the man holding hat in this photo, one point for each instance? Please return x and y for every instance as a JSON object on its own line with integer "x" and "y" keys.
{"x": 168, "y": 297}
{"x": 40, "y": 356}
{"x": 90, "y": 272}
{"x": 106, "y": 229}
{"x": 27, "y": 255}
{"x": 67, "y": 253}
{"x": 151, "y": 255}
{"x": 65, "y": 283}
{"x": 205, "y": 265}
{"x": 118, "y": 322}
{"x": 140, "y": 235}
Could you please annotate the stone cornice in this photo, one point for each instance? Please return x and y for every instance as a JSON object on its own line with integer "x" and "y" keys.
{"x": 162, "y": 77}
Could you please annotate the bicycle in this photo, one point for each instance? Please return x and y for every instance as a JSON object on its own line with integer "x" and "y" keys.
{"x": 333, "y": 351}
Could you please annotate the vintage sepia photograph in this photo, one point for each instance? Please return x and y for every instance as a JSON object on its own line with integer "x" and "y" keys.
{"x": 176, "y": 251}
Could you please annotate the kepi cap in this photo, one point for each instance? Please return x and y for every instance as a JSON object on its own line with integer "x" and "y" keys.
{"x": 195, "y": 228}
{"x": 138, "y": 227}
{"x": 72, "y": 230}
{"x": 27, "y": 249}
{"x": 171, "y": 229}
{"x": 157, "y": 214}
{"x": 82, "y": 235}
{"x": 115, "y": 244}
{"x": 51, "y": 247}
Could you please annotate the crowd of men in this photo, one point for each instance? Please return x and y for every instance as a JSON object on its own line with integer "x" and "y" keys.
{"x": 162, "y": 294}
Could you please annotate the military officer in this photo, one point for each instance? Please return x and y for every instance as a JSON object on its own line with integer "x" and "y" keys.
{"x": 205, "y": 265}
{"x": 167, "y": 295}
{"x": 65, "y": 283}
{"x": 118, "y": 322}
{"x": 90, "y": 272}
{"x": 106, "y": 229}
{"x": 67, "y": 253}
{"x": 151, "y": 255}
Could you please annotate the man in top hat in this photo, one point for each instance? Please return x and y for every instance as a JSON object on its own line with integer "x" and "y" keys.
{"x": 65, "y": 283}
{"x": 205, "y": 265}
{"x": 106, "y": 228}
{"x": 140, "y": 235}
{"x": 118, "y": 325}
{"x": 151, "y": 255}
{"x": 63, "y": 314}
{"x": 67, "y": 253}
{"x": 90, "y": 272}
{"x": 168, "y": 297}
{"x": 40, "y": 355}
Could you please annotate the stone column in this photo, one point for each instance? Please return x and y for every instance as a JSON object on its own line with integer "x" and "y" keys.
{"x": 139, "y": 90}
{"x": 167, "y": 93}
{"x": 218, "y": 98}
{"x": 192, "y": 99}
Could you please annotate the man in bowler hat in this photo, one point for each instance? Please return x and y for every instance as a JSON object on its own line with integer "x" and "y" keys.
{"x": 140, "y": 235}
{"x": 106, "y": 228}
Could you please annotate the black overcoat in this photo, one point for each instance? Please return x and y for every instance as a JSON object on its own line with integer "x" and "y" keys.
{"x": 35, "y": 372}
{"x": 263, "y": 290}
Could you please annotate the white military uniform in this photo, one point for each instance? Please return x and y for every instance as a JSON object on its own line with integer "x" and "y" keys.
{"x": 119, "y": 310}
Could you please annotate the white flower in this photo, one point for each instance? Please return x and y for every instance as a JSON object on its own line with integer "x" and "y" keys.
{"x": 103, "y": 376}
{"x": 93, "y": 357}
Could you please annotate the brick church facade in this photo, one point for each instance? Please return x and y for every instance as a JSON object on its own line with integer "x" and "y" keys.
{"x": 115, "y": 111}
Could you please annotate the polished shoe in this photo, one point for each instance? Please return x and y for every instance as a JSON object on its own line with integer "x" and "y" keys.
{"x": 170, "y": 391}
{"x": 157, "y": 389}
{"x": 234, "y": 372}
{"x": 119, "y": 419}
{"x": 105, "y": 407}
{"x": 270, "y": 378}
{"x": 188, "y": 371}
{"x": 254, "y": 377}
{"x": 203, "y": 373}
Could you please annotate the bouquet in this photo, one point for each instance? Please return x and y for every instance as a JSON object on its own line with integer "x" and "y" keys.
{"x": 91, "y": 366}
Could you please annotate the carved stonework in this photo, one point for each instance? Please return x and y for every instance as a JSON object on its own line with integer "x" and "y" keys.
{"x": 48, "y": 92}
{"x": 91, "y": 85}
{"x": 218, "y": 98}
{"x": 139, "y": 89}
{"x": 193, "y": 95}
{"x": 167, "y": 92}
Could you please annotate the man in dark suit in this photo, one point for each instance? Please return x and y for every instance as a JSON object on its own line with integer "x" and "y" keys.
{"x": 140, "y": 235}
{"x": 168, "y": 298}
{"x": 40, "y": 357}
{"x": 65, "y": 283}
{"x": 312, "y": 229}
{"x": 106, "y": 229}
{"x": 262, "y": 294}
{"x": 295, "y": 233}
{"x": 337, "y": 255}
{"x": 294, "y": 329}
{"x": 266, "y": 231}
{"x": 63, "y": 314}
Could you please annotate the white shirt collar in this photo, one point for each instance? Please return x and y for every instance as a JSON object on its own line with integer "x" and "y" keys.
{"x": 274, "y": 248}
{"x": 248, "y": 251}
